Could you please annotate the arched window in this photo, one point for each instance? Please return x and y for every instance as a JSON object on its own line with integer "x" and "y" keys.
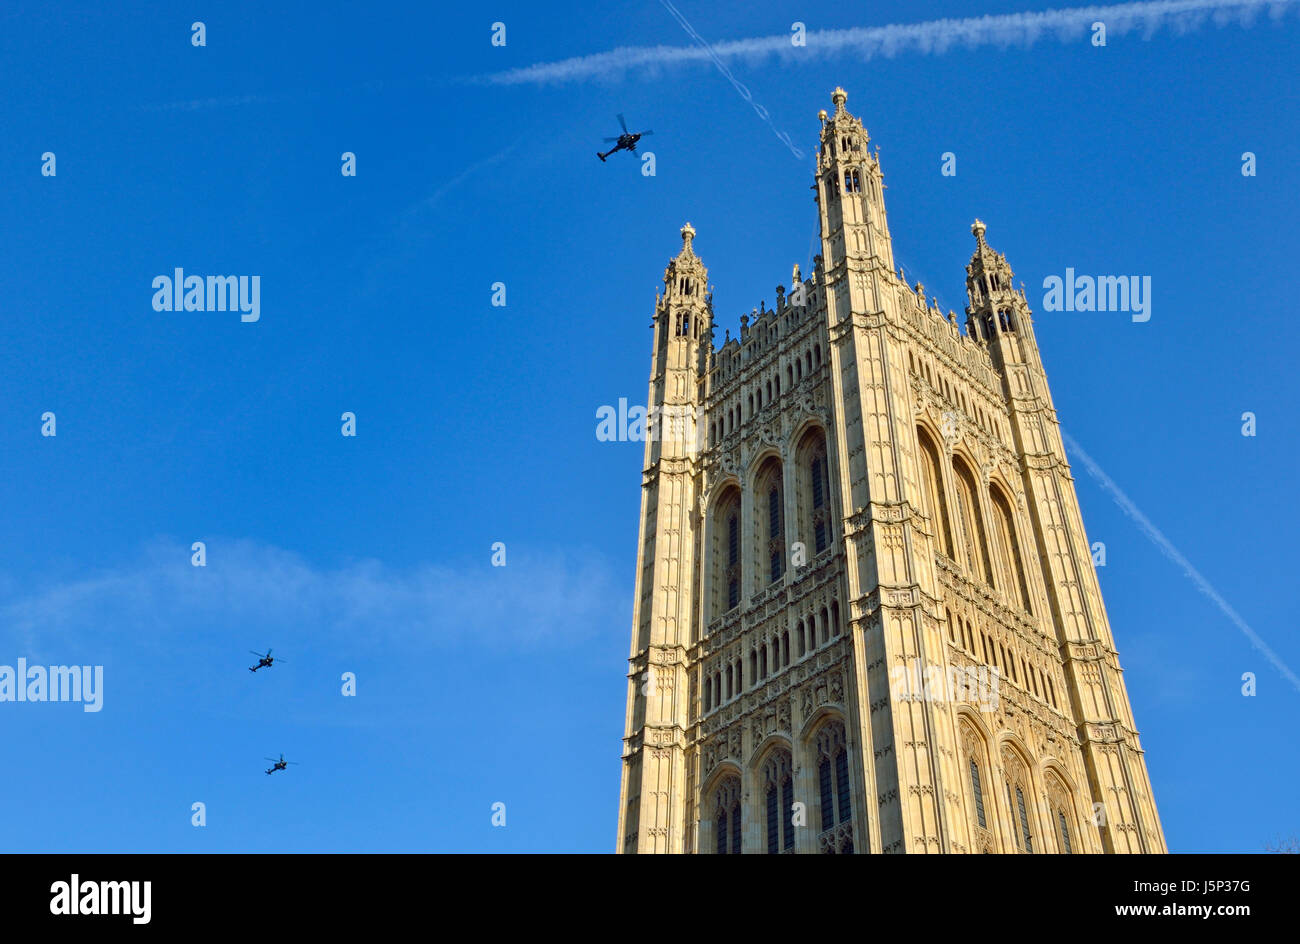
{"x": 725, "y": 550}
{"x": 970, "y": 525}
{"x": 932, "y": 486}
{"x": 798, "y": 635}
{"x": 834, "y": 792}
{"x": 813, "y": 492}
{"x": 778, "y": 794}
{"x": 835, "y": 618}
{"x": 727, "y": 817}
{"x": 981, "y": 811}
{"x": 1013, "y": 571}
{"x": 769, "y": 493}
{"x": 1017, "y": 784}
{"x": 1060, "y": 811}
{"x": 708, "y": 693}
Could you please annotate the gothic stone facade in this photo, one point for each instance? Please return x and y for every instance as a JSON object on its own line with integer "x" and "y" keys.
{"x": 874, "y": 525}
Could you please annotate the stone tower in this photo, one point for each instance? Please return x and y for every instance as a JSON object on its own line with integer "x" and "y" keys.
{"x": 867, "y": 618}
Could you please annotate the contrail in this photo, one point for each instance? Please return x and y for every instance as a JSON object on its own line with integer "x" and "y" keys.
{"x": 467, "y": 172}
{"x": 931, "y": 38}
{"x": 735, "y": 83}
{"x": 1171, "y": 552}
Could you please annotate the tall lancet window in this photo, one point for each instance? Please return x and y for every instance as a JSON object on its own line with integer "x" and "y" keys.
{"x": 770, "y": 513}
{"x": 733, "y": 561}
{"x": 834, "y": 794}
{"x": 970, "y": 523}
{"x": 1024, "y": 820}
{"x": 813, "y": 491}
{"x": 1013, "y": 570}
{"x": 819, "y": 500}
{"x": 726, "y": 817}
{"x": 777, "y": 554}
{"x": 778, "y": 796}
{"x": 1018, "y": 806}
{"x": 979, "y": 795}
{"x": 932, "y": 485}
{"x": 725, "y": 549}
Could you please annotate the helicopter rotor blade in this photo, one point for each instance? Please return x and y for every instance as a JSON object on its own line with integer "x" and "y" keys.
{"x": 622, "y": 123}
{"x": 271, "y": 759}
{"x": 646, "y": 134}
{"x": 256, "y": 653}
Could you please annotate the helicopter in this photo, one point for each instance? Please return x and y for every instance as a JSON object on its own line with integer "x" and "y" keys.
{"x": 263, "y": 661}
{"x": 280, "y": 764}
{"x": 626, "y": 141}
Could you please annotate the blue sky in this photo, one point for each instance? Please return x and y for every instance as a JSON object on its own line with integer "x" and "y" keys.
{"x": 476, "y": 424}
